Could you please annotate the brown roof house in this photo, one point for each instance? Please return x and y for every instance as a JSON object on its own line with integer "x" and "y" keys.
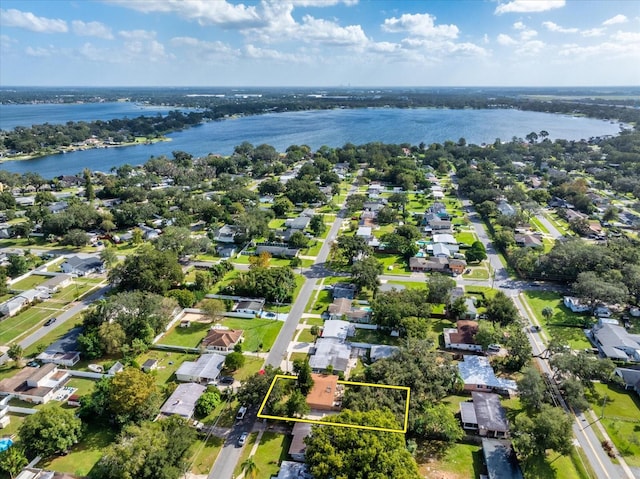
{"x": 326, "y": 394}
{"x": 462, "y": 336}
{"x": 35, "y": 385}
{"x": 220, "y": 339}
{"x": 344, "y": 307}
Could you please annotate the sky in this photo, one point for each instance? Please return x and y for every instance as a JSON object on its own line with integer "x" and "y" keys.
{"x": 323, "y": 43}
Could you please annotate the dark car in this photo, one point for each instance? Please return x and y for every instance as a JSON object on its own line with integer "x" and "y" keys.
{"x": 33, "y": 364}
{"x": 226, "y": 380}
{"x": 50, "y": 321}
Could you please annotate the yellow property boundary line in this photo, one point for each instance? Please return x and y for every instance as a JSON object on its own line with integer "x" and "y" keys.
{"x": 326, "y": 423}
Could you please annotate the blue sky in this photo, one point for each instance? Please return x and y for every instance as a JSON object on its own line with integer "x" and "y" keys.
{"x": 320, "y": 43}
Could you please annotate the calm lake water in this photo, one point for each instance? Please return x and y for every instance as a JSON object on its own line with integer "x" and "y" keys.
{"x": 326, "y": 127}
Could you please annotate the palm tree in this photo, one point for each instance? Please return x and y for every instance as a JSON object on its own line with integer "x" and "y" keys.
{"x": 250, "y": 468}
{"x": 547, "y": 312}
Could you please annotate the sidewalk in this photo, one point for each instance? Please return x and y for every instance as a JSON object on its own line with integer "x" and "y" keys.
{"x": 254, "y": 448}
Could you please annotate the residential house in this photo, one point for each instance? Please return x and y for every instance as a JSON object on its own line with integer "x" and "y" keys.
{"x": 293, "y": 470}
{"x": 226, "y": 251}
{"x": 485, "y": 414}
{"x": 64, "y": 351}
{"x": 344, "y": 290}
{"x": 326, "y": 394}
{"x": 445, "y": 238}
{"x": 6, "y": 230}
{"x": 31, "y": 295}
{"x": 440, "y": 250}
{"x": 150, "y": 365}
{"x": 382, "y": 351}
{"x": 35, "y": 385}
{"x": 55, "y": 283}
{"x": 220, "y": 339}
{"x": 440, "y": 225}
{"x": 528, "y": 241}
{"x": 457, "y": 266}
{"x": 344, "y": 308}
{"x": 205, "y": 369}
{"x": 500, "y": 459}
{"x": 575, "y": 305}
{"x": 601, "y": 311}
{"x": 375, "y": 189}
{"x": 182, "y": 401}
{"x": 149, "y": 233}
{"x": 330, "y": 352}
{"x": 630, "y": 377}
{"x": 248, "y": 308}
{"x": 299, "y": 223}
{"x": 12, "y": 306}
{"x": 226, "y": 234}
{"x": 82, "y": 266}
{"x": 364, "y": 232}
{"x": 25, "y": 200}
{"x": 462, "y": 336}
{"x": 478, "y": 375}
{"x": 338, "y": 329}
{"x": 471, "y": 312}
{"x": 615, "y": 342}
{"x": 297, "y": 448}
{"x": 572, "y": 215}
{"x": 505, "y": 208}
{"x": 57, "y": 207}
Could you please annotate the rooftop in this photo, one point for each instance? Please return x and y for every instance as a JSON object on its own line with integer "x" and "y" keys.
{"x": 323, "y": 392}
{"x": 222, "y": 338}
{"x": 183, "y": 400}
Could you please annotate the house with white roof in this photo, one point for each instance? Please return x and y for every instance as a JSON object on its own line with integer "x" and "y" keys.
{"x": 337, "y": 328}
{"x": 615, "y": 342}
{"x": 445, "y": 238}
{"x": 183, "y": 400}
{"x": 205, "y": 369}
{"x": 575, "y": 305}
{"x": 330, "y": 352}
{"x": 478, "y": 375}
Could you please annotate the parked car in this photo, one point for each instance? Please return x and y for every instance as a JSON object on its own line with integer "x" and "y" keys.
{"x": 241, "y": 412}
{"x": 50, "y": 321}
{"x": 493, "y": 348}
{"x": 226, "y": 380}
{"x": 243, "y": 438}
{"x": 33, "y": 364}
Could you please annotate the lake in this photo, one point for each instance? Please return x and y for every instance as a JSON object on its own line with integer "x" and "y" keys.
{"x": 328, "y": 127}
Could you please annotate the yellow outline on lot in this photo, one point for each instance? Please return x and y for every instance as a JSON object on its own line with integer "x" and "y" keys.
{"x": 325, "y": 423}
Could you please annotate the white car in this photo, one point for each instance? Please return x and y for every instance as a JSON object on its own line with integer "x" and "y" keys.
{"x": 243, "y": 438}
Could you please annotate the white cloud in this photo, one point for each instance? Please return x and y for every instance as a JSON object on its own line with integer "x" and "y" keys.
{"x": 6, "y": 43}
{"x": 519, "y": 26}
{"x": 39, "y": 51}
{"x": 627, "y": 37}
{"x": 28, "y": 21}
{"x": 506, "y": 40}
{"x": 554, "y": 27}
{"x": 384, "y": 47}
{"x": 531, "y": 48}
{"x": 616, "y": 20}
{"x": 320, "y": 3}
{"x": 258, "y": 53}
{"x": 205, "y": 12}
{"x": 420, "y": 24}
{"x": 203, "y": 50}
{"x": 528, "y": 6}
{"x": 330, "y": 33}
{"x": 528, "y": 34}
{"x": 593, "y": 32}
{"x": 439, "y": 48}
{"x": 137, "y": 34}
{"x": 91, "y": 29}
{"x": 625, "y": 45}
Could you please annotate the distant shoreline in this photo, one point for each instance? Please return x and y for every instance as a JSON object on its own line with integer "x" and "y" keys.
{"x": 93, "y": 146}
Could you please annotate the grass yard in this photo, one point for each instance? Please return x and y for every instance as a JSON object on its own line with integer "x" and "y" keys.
{"x": 188, "y": 337}
{"x": 375, "y": 337}
{"x": 395, "y": 261}
{"x": 300, "y": 356}
{"x": 486, "y": 290}
{"x": 15, "y": 421}
{"x": 251, "y": 366}
{"x": 271, "y": 451}
{"x": 84, "y": 386}
{"x": 245, "y": 453}
{"x": 29, "y": 282}
{"x": 58, "y": 330}
{"x": 564, "y": 324}
{"x": 466, "y": 237}
{"x": 621, "y": 419}
{"x": 477, "y": 272}
{"x": 407, "y": 284}
{"x": 204, "y": 454}
{"x": 538, "y": 225}
{"x": 461, "y": 461}
{"x": 84, "y": 455}
{"x": 318, "y": 303}
{"x": 256, "y": 331}
{"x": 306, "y": 336}
{"x": 313, "y": 249}
{"x": 314, "y": 321}
{"x": 18, "y": 325}
{"x": 168, "y": 363}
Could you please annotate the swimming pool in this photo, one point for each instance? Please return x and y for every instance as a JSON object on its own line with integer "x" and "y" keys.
{"x": 5, "y": 444}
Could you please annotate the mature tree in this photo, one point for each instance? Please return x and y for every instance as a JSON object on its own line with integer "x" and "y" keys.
{"x": 438, "y": 422}
{"x": 15, "y": 352}
{"x": 13, "y": 460}
{"x": 518, "y": 348}
{"x": 282, "y": 206}
{"x": 261, "y": 260}
{"x": 276, "y": 285}
{"x": 594, "y": 288}
{"x": 501, "y": 310}
{"x": 439, "y": 287}
{"x": 487, "y": 209}
{"x": 250, "y": 468}
{"x": 213, "y": 309}
{"x": 548, "y": 429}
{"x": 298, "y": 240}
{"x": 305, "y": 381}
{"x": 179, "y": 241}
{"x": 75, "y": 237}
{"x": 234, "y": 361}
{"x": 207, "y": 402}
{"x": 547, "y": 312}
{"x": 254, "y": 389}
{"x": 355, "y": 203}
{"x": 148, "y": 270}
{"x": 133, "y": 396}
{"x": 582, "y": 366}
{"x": 296, "y": 404}
{"x": 270, "y": 186}
{"x": 112, "y": 337}
{"x": 476, "y": 253}
{"x": 487, "y": 334}
{"x": 573, "y": 391}
{"x": 89, "y": 190}
{"x": 317, "y": 226}
{"x": 341, "y": 452}
{"x": 386, "y": 215}
{"x": 50, "y": 430}
{"x": 352, "y": 248}
{"x": 109, "y": 256}
{"x": 184, "y": 297}
{"x": 391, "y": 307}
{"x": 151, "y": 450}
{"x": 364, "y": 274}
{"x": 532, "y": 389}
{"x": 457, "y": 308}
{"x": 18, "y": 265}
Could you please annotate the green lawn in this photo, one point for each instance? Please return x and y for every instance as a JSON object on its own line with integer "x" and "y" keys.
{"x": 539, "y": 226}
{"x": 272, "y": 450}
{"x": 621, "y": 419}
{"x": 84, "y": 455}
{"x": 188, "y": 337}
{"x": 466, "y": 237}
{"x": 20, "y": 324}
{"x": 58, "y": 330}
{"x": 256, "y": 331}
{"x": 168, "y": 363}
{"x": 306, "y": 336}
{"x": 461, "y": 461}
{"x": 251, "y": 366}
{"x": 375, "y": 337}
{"x": 477, "y": 272}
{"x": 407, "y": 284}
{"x": 245, "y": 452}
{"x": 395, "y": 261}
{"x": 564, "y": 324}
{"x": 29, "y": 282}
{"x": 204, "y": 454}
{"x": 83, "y": 386}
